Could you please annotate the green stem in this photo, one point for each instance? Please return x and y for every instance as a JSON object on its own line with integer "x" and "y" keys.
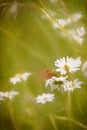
{"x": 53, "y": 122}
{"x": 69, "y": 109}
{"x": 72, "y": 120}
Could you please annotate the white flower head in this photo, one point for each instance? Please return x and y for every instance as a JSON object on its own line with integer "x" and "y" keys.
{"x": 11, "y": 94}
{"x": 67, "y": 64}
{"x": 81, "y": 31}
{"x": 25, "y": 75}
{"x": 71, "y": 85}
{"x": 76, "y": 16}
{"x": 8, "y": 95}
{"x": 2, "y": 96}
{"x": 64, "y": 22}
{"x": 45, "y": 97}
{"x": 15, "y": 79}
{"x": 77, "y": 34}
{"x": 55, "y": 83}
{"x": 79, "y": 39}
{"x": 19, "y": 77}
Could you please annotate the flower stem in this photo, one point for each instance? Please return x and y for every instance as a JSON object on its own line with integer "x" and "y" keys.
{"x": 53, "y": 122}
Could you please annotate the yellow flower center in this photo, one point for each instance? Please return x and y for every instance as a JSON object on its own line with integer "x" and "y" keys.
{"x": 66, "y": 67}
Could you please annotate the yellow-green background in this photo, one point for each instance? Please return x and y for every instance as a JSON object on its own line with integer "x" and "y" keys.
{"x": 30, "y": 44}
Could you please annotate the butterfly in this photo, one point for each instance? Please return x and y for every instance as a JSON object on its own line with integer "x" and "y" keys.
{"x": 47, "y": 74}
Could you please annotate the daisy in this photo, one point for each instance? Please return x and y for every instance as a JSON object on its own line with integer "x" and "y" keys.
{"x": 64, "y": 22}
{"x": 65, "y": 65}
{"x": 61, "y": 23}
{"x": 2, "y": 96}
{"x": 8, "y": 95}
{"x": 77, "y": 34}
{"x": 19, "y": 77}
{"x": 45, "y": 97}
{"x": 55, "y": 83}
{"x": 11, "y": 94}
{"x": 71, "y": 85}
{"x": 78, "y": 39}
{"x": 76, "y": 16}
{"x": 25, "y": 75}
{"x": 15, "y": 79}
{"x": 81, "y": 31}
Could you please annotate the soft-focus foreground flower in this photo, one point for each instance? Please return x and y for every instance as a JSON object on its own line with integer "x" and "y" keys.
{"x": 71, "y": 85}
{"x": 45, "y": 97}
{"x": 67, "y": 64}
{"x": 64, "y": 22}
{"x": 77, "y": 34}
{"x": 84, "y": 68}
{"x": 8, "y": 95}
{"x": 25, "y": 75}
{"x": 76, "y": 16}
{"x": 19, "y": 77}
{"x": 81, "y": 31}
{"x": 15, "y": 79}
{"x": 55, "y": 83}
{"x": 11, "y": 94}
{"x": 2, "y": 95}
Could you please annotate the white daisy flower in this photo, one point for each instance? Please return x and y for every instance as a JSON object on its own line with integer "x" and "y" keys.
{"x": 77, "y": 34}
{"x": 2, "y": 96}
{"x": 64, "y": 22}
{"x": 61, "y": 22}
{"x": 45, "y": 97}
{"x": 19, "y": 78}
{"x": 8, "y": 95}
{"x": 71, "y": 85}
{"x": 55, "y": 83}
{"x": 15, "y": 79}
{"x": 67, "y": 64}
{"x": 11, "y": 94}
{"x": 81, "y": 31}
{"x": 79, "y": 39}
{"x": 76, "y": 16}
{"x": 25, "y": 75}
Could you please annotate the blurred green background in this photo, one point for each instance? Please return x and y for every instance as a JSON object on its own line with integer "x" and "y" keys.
{"x": 28, "y": 43}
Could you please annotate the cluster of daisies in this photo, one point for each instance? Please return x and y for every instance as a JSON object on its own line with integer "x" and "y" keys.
{"x": 64, "y": 79}
{"x": 17, "y": 78}
{"x": 77, "y": 34}
{"x": 62, "y": 24}
{"x": 8, "y": 95}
